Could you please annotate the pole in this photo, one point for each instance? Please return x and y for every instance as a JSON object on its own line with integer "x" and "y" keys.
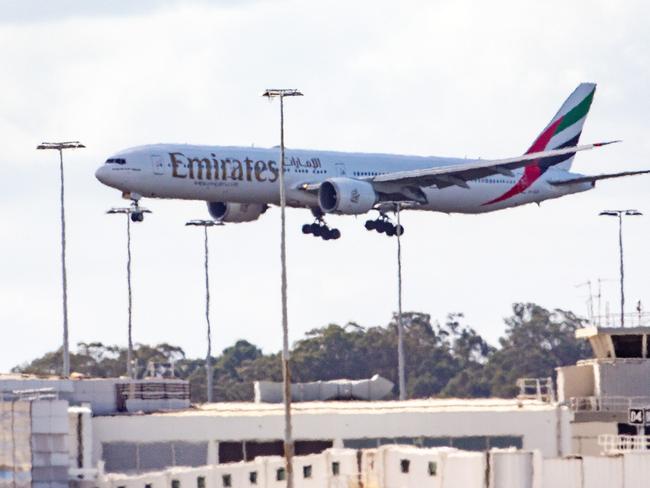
{"x": 400, "y": 327}
{"x": 286, "y": 372}
{"x": 66, "y": 347}
{"x": 620, "y": 246}
{"x": 129, "y": 354}
{"x": 208, "y": 359}
{"x": 600, "y": 310}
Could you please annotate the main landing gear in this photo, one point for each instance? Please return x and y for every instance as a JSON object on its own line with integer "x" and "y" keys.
{"x": 383, "y": 225}
{"x": 320, "y": 229}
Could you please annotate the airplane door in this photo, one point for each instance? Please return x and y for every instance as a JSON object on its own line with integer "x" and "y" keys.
{"x": 158, "y": 164}
{"x": 340, "y": 169}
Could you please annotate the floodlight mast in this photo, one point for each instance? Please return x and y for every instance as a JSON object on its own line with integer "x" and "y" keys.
{"x": 130, "y": 213}
{"x": 286, "y": 373}
{"x": 208, "y": 359}
{"x": 60, "y": 146}
{"x": 620, "y": 214}
{"x": 400, "y": 326}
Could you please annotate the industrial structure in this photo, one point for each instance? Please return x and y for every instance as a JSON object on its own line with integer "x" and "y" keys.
{"x": 146, "y": 433}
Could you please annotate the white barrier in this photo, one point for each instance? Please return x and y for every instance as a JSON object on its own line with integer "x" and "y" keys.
{"x": 406, "y": 467}
{"x": 636, "y": 470}
{"x": 510, "y": 468}
{"x": 563, "y": 473}
{"x": 464, "y": 469}
{"x": 602, "y": 472}
{"x": 334, "y": 468}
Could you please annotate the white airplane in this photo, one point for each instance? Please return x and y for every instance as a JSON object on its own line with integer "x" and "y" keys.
{"x": 239, "y": 183}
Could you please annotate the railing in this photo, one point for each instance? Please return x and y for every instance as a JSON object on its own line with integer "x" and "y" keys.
{"x": 540, "y": 389}
{"x": 633, "y": 319}
{"x": 37, "y": 394}
{"x": 607, "y": 403}
{"x": 611, "y": 443}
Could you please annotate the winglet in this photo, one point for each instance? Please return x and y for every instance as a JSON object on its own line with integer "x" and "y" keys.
{"x": 599, "y": 144}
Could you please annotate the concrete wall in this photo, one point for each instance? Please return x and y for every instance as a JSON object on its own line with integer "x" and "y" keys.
{"x": 540, "y": 425}
{"x": 385, "y": 468}
{"x": 602, "y": 472}
{"x": 575, "y": 381}
{"x": 318, "y": 469}
{"x": 562, "y": 473}
{"x": 406, "y": 466}
{"x": 584, "y": 440}
{"x": 50, "y": 449}
{"x": 622, "y": 377}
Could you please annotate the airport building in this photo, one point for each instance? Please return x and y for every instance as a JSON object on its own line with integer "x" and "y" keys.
{"x": 146, "y": 433}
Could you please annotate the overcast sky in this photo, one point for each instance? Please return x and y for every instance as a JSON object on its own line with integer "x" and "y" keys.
{"x": 449, "y": 78}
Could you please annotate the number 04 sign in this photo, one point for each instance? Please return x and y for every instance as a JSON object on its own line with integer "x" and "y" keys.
{"x": 638, "y": 416}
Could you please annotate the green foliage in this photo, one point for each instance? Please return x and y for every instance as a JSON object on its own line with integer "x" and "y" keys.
{"x": 449, "y": 359}
{"x": 536, "y": 342}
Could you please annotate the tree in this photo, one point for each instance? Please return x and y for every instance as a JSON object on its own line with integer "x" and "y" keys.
{"x": 449, "y": 359}
{"x": 536, "y": 342}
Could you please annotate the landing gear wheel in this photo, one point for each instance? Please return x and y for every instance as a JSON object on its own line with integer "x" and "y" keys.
{"x": 390, "y": 230}
{"x": 320, "y": 229}
{"x": 380, "y": 226}
{"x": 371, "y": 224}
{"x": 399, "y": 230}
{"x": 137, "y": 216}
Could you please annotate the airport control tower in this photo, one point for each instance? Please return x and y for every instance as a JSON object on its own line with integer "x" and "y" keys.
{"x": 603, "y": 391}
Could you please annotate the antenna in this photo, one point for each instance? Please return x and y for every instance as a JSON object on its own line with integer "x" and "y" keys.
{"x": 590, "y": 300}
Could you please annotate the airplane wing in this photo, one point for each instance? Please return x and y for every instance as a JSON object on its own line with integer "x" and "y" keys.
{"x": 409, "y": 182}
{"x": 459, "y": 174}
{"x": 594, "y": 178}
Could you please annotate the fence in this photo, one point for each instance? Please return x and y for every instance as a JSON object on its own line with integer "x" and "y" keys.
{"x": 607, "y": 403}
{"x": 540, "y": 389}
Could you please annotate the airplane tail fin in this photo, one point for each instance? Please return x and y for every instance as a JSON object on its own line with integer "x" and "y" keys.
{"x": 565, "y": 128}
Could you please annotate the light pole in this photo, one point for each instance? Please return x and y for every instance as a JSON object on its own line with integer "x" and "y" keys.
{"x": 60, "y": 146}
{"x": 286, "y": 373}
{"x": 133, "y": 213}
{"x": 208, "y": 359}
{"x": 620, "y": 214}
{"x": 400, "y": 326}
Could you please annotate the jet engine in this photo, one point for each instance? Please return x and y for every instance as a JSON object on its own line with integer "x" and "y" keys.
{"x": 235, "y": 212}
{"x": 346, "y": 196}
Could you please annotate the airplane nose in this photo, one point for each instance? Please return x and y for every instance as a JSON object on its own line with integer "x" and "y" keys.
{"x": 102, "y": 174}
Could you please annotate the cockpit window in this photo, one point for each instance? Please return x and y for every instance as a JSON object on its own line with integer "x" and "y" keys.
{"x": 116, "y": 161}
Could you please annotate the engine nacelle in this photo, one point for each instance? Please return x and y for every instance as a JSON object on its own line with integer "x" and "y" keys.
{"x": 346, "y": 196}
{"x": 235, "y": 212}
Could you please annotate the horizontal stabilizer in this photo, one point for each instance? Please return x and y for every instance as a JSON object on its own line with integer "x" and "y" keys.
{"x": 591, "y": 179}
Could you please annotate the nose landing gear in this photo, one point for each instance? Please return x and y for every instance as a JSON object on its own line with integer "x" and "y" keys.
{"x": 383, "y": 225}
{"x": 136, "y": 213}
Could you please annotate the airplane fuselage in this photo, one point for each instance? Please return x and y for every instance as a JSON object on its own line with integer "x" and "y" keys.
{"x": 250, "y": 175}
